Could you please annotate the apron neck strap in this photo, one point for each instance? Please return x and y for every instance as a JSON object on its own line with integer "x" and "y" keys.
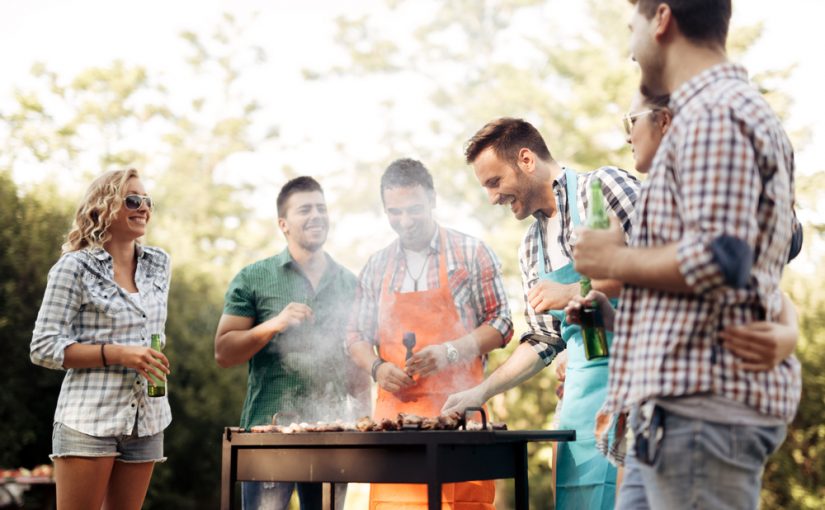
{"x": 442, "y": 263}
{"x": 573, "y": 196}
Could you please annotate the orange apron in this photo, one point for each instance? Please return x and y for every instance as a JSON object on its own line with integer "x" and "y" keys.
{"x": 432, "y": 316}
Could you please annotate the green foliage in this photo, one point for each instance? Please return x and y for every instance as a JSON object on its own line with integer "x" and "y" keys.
{"x": 30, "y": 236}
{"x": 204, "y": 397}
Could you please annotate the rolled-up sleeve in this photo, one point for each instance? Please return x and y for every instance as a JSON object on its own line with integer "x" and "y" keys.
{"x": 720, "y": 189}
{"x": 53, "y": 329}
{"x": 489, "y": 296}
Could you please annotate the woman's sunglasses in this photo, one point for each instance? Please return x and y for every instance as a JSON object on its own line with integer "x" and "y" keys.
{"x": 630, "y": 119}
{"x": 134, "y": 202}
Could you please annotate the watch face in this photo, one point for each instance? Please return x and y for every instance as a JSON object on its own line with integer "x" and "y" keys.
{"x": 452, "y": 354}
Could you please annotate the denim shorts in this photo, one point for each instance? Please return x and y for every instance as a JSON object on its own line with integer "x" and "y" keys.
{"x": 68, "y": 442}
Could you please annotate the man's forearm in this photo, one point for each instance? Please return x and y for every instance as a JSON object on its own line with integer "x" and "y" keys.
{"x": 480, "y": 341}
{"x": 653, "y": 268}
{"x": 610, "y": 288}
{"x": 239, "y": 346}
{"x": 523, "y": 364}
{"x": 363, "y": 354}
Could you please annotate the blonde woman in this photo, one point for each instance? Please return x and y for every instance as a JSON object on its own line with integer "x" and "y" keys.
{"x": 104, "y": 299}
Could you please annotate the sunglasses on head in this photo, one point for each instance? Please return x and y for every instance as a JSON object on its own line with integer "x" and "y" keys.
{"x": 630, "y": 119}
{"x": 134, "y": 202}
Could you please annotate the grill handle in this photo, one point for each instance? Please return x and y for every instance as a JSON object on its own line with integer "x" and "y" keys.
{"x": 471, "y": 410}
{"x": 284, "y": 417}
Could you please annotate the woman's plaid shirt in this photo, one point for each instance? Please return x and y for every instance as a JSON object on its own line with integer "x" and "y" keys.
{"x": 83, "y": 304}
{"x": 723, "y": 172}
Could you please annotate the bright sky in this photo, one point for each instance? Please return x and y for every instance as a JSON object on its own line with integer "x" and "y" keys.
{"x": 71, "y": 36}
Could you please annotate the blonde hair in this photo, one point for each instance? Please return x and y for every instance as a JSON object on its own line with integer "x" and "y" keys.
{"x": 96, "y": 211}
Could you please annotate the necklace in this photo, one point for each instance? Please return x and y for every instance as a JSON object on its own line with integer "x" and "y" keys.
{"x": 420, "y": 273}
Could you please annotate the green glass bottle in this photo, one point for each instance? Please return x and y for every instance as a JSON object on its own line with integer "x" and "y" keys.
{"x": 157, "y": 387}
{"x": 593, "y": 334}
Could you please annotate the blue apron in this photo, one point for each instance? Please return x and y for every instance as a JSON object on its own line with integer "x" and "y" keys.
{"x": 584, "y": 477}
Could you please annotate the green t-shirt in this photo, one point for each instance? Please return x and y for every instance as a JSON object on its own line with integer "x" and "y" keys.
{"x": 303, "y": 370}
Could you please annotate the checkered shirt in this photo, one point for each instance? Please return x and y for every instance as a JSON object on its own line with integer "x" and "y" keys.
{"x": 83, "y": 304}
{"x": 723, "y": 171}
{"x": 474, "y": 274}
{"x": 620, "y": 190}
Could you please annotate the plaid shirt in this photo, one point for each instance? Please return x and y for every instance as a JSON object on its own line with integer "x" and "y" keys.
{"x": 724, "y": 172}
{"x": 620, "y": 191}
{"x": 474, "y": 274}
{"x": 84, "y": 305}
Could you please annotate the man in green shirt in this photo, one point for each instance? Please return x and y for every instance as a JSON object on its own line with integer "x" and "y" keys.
{"x": 286, "y": 316}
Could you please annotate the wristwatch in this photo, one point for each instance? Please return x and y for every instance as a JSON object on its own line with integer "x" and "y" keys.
{"x": 452, "y": 353}
{"x": 374, "y": 371}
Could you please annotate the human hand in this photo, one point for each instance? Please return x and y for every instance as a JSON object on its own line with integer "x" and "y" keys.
{"x": 574, "y": 307}
{"x": 391, "y": 378}
{"x": 561, "y": 365}
{"x": 458, "y": 402}
{"x": 561, "y": 372}
{"x": 145, "y": 360}
{"x": 548, "y": 295}
{"x": 427, "y": 361}
{"x": 293, "y": 314}
{"x": 594, "y": 252}
{"x": 761, "y": 345}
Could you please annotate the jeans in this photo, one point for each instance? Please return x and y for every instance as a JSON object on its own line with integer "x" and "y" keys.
{"x": 68, "y": 442}
{"x": 276, "y": 495}
{"x": 699, "y": 465}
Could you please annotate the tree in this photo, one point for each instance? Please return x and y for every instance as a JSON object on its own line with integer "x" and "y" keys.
{"x": 475, "y": 61}
{"x": 30, "y": 232}
{"x": 96, "y": 120}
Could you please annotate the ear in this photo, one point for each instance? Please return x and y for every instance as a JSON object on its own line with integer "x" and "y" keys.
{"x": 431, "y": 195}
{"x": 526, "y": 160}
{"x": 664, "y": 21}
{"x": 664, "y": 120}
{"x": 282, "y": 225}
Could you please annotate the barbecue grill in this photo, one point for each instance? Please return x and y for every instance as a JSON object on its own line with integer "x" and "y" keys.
{"x": 433, "y": 457}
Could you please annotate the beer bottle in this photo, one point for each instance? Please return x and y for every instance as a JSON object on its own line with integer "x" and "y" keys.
{"x": 157, "y": 387}
{"x": 593, "y": 334}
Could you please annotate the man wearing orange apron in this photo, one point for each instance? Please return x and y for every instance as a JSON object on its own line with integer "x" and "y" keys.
{"x": 446, "y": 288}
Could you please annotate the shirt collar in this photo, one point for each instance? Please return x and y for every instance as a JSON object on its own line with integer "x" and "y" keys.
{"x": 695, "y": 85}
{"x": 284, "y": 259}
{"x": 103, "y": 255}
{"x": 559, "y": 186}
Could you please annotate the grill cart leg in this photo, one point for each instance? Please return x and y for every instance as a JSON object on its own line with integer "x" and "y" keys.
{"x": 521, "y": 480}
{"x": 227, "y": 473}
{"x": 328, "y": 496}
{"x": 434, "y": 481}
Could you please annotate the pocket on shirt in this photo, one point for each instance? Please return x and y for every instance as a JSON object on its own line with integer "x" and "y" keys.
{"x": 105, "y": 297}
